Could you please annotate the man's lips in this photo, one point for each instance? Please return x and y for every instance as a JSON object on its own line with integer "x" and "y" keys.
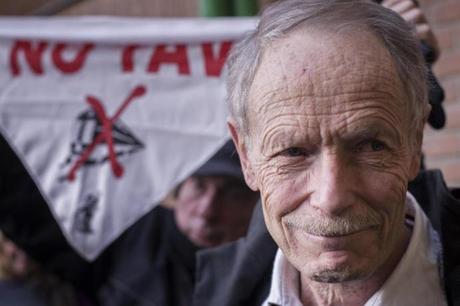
{"x": 341, "y": 234}
{"x": 339, "y": 241}
{"x": 336, "y": 242}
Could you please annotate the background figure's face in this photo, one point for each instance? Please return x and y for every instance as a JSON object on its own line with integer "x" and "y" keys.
{"x": 211, "y": 210}
{"x": 328, "y": 149}
{"x": 14, "y": 263}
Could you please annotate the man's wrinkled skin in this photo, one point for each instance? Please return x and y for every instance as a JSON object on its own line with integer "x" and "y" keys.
{"x": 212, "y": 210}
{"x": 329, "y": 149}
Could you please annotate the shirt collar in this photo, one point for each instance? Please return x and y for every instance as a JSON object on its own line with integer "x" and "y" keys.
{"x": 416, "y": 279}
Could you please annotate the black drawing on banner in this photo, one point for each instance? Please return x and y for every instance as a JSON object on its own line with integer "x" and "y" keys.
{"x": 84, "y": 214}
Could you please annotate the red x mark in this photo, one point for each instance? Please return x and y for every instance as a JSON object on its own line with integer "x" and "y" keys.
{"x": 106, "y": 133}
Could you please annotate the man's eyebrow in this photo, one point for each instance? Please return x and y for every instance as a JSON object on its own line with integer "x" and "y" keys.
{"x": 374, "y": 130}
{"x": 364, "y": 133}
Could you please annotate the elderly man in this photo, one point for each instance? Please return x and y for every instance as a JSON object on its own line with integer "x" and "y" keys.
{"x": 328, "y": 101}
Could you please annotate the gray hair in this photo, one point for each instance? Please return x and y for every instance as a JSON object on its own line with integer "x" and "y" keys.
{"x": 283, "y": 17}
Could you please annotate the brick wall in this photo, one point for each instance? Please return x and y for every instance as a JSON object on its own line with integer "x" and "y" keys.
{"x": 163, "y": 8}
{"x": 442, "y": 148}
{"x": 10, "y": 7}
{"x": 144, "y": 8}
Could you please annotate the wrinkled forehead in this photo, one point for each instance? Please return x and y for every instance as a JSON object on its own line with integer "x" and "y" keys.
{"x": 317, "y": 63}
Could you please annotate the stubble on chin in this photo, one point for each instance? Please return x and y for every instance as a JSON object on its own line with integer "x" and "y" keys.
{"x": 338, "y": 275}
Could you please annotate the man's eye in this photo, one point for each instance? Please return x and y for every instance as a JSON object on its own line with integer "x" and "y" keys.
{"x": 370, "y": 146}
{"x": 199, "y": 184}
{"x": 377, "y": 145}
{"x": 295, "y": 151}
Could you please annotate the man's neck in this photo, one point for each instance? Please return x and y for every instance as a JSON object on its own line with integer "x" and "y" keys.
{"x": 356, "y": 292}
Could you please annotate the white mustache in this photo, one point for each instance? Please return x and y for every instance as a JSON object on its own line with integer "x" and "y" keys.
{"x": 333, "y": 226}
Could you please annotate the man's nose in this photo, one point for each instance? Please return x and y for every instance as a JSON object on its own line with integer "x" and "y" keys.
{"x": 207, "y": 207}
{"x": 332, "y": 180}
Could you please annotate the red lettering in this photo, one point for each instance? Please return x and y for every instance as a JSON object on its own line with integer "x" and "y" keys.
{"x": 177, "y": 57}
{"x": 127, "y": 61}
{"x": 70, "y": 66}
{"x": 213, "y": 65}
{"x": 33, "y": 56}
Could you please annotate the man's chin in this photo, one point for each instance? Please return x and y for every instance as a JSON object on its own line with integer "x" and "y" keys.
{"x": 206, "y": 240}
{"x": 339, "y": 271}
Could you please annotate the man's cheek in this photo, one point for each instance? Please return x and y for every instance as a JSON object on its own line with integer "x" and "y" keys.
{"x": 273, "y": 187}
{"x": 266, "y": 180}
{"x": 270, "y": 190}
{"x": 389, "y": 181}
{"x": 277, "y": 199}
{"x": 399, "y": 164}
{"x": 386, "y": 192}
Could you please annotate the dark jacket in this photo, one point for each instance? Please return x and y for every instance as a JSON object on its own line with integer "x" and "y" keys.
{"x": 153, "y": 263}
{"x": 19, "y": 294}
{"x": 240, "y": 274}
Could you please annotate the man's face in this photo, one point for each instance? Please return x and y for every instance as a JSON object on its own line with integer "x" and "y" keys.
{"x": 211, "y": 210}
{"x": 328, "y": 149}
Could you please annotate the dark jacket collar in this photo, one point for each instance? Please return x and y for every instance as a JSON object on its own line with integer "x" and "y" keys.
{"x": 443, "y": 210}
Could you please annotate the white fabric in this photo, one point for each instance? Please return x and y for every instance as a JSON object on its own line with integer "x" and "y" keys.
{"x": 175, "y": 122}
{"x": 416, "y": 280}
{"x": 285, "y": 288}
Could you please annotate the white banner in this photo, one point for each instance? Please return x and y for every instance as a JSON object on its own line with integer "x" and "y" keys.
{"x": 108, "y": 114}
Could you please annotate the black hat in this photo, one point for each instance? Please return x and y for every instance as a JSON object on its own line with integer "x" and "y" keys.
{"x": 224, "y": 162}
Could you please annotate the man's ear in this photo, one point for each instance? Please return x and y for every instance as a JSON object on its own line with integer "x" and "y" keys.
{"x": 241, "y": 148}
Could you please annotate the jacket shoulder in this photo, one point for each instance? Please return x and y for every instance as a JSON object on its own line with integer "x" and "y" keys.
{"x": 442, "y": 207}
{"x": 237, "y": 273}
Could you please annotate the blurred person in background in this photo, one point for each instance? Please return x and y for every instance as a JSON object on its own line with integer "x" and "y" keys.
{"x": 155, "y": 258}
{"x": 153, "y": 261}
{"x": 23, "y": 283}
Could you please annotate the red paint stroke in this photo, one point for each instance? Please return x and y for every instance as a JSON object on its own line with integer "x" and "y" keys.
{"x": 106, "y": 133}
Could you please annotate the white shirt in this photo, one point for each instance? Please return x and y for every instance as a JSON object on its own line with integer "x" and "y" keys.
{"x": 415, "y": 281}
